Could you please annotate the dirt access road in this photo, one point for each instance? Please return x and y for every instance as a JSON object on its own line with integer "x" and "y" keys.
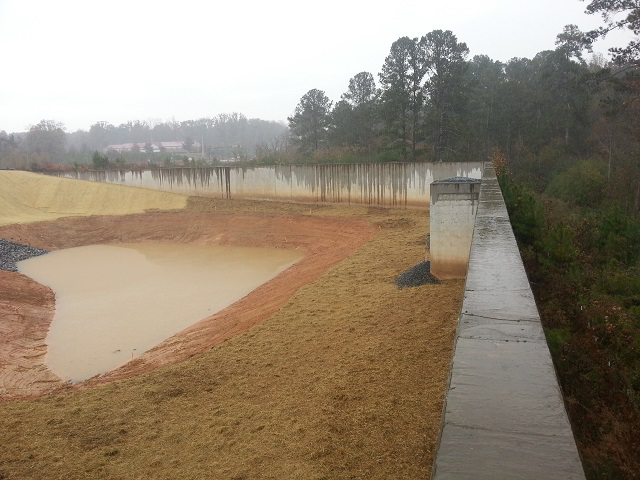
{"x": 341, "y": 376}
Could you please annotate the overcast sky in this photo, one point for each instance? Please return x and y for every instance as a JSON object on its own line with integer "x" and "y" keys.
{"x": 78, "y": 62}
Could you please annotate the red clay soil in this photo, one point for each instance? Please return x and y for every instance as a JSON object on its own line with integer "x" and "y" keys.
{"x": 27, "y": 307}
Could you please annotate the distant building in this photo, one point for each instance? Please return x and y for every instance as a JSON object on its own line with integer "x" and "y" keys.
{"x": 157, "y": 147}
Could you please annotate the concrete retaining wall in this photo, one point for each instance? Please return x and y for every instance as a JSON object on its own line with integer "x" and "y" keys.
{"x": 389, "y": 184}
{"x": 504, "y": 415}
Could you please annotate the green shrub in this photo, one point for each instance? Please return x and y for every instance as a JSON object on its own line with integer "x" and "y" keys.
{"x": 388, "y": 156}
{"x": 617, "y": 237}
{"x": 557, "y": 247}
{"x": 556, "y": 339}
{"x": 525, "y": 212}
{"x": 582, "y": 185}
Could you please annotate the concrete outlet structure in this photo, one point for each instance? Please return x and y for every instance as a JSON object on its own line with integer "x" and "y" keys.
{"x": 454, "y": 203}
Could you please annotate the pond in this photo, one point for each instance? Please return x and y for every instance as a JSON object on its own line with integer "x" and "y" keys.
{"x": 114, "y": 302}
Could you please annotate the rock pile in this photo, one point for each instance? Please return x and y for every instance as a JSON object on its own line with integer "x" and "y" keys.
{"x": 11, "y": 252}
{"x": 417, "y": 275}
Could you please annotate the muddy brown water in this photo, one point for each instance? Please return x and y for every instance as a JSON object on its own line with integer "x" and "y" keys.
{"x": 115, "y": 302}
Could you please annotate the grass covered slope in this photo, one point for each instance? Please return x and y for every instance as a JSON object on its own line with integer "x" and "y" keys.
{"x": 29, "y": 197}
{"x": 345, "y": 381}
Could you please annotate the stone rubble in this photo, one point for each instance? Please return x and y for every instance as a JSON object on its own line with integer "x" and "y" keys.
{"x": 11, "y": 253}
{"x": 417, "y": 275}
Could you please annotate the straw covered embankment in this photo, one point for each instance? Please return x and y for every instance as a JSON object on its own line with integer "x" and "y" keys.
{"x": 328, "y": 371}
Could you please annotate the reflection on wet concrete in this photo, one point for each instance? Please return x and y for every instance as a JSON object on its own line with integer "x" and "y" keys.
{"x": 385, "y": 184}
{"x": 504, "y": 415}
{"x": 115, "y": 302}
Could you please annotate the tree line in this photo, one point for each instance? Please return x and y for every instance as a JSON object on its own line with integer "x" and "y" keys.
{"x": 227, "y": 135}
{"x": 574, "y": 204}
{"x": 433, "y": 103}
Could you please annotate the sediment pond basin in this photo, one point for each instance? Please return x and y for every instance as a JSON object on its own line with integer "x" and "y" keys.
{"x": 114, "y": 302}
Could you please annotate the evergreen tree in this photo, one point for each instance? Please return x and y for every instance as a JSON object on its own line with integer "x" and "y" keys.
{"x": 310, "y": 122}
{"x": 354, "y": 117}
{"x": 446, "y": 92}
{"x": 630, "y": 10}
{"x": 485, "y": 78}
{"x": 402, "y": 97}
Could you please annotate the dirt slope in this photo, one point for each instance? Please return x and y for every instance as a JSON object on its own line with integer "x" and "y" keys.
{"x": 324, "y": 242}
{"x": 341, "y": 376}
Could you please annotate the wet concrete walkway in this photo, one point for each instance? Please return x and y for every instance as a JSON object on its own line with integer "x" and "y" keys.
{"x": 504, "y": 415}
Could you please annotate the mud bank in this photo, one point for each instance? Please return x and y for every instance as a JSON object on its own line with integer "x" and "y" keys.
{"x": 323, "y": 242}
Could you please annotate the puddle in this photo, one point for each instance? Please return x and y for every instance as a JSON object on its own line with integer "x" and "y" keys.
{"x": 115, "y": 302}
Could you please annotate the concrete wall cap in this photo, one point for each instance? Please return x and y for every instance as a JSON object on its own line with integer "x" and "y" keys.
{"x": 458, "y": 180}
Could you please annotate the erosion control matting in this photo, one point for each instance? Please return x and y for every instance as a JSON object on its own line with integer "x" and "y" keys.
{"x": 30, "y": 197}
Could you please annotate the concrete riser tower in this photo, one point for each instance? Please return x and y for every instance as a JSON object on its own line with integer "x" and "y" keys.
{"x": 454, "y": 203}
